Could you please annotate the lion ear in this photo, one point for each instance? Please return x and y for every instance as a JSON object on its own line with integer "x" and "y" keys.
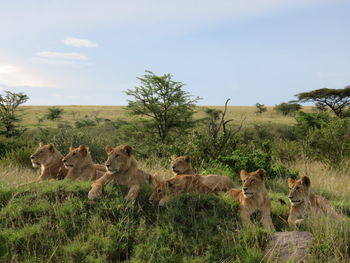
{"x": 244, "y": 174}
{"x": 50, "y": 147}
{"x": 71, "y": 148}
{"x": 173, "y": 157}
{"x": 83, "y": 150}
{"x": 108, "y": 149}
{"x": 291, "y": 182}
{"x": 188, "y": 158}
{"x": 306, "y": 181}
{"x": 261, "y": 172}
{"x": 127, "y": 149}
{"x": 41, "y": 144}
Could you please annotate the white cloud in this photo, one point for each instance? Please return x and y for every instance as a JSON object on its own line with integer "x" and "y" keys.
{"x": 14, "y": 76}
{"x": 77, "y": 42}
{"x": 61, "y": 55}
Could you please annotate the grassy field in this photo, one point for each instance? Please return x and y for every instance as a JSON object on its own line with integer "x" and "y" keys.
{"x": 32, "y": 114}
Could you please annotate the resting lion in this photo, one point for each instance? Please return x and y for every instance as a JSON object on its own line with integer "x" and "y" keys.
{"x": 167, "y": 190}
{"x": 80, "y": 165}
{"x": 183, "y": 165}
{"x": 253, "y": 197}
{"x": 303, "y": 201}
{"x": 122, "y": 169}
{"x": 49, "y": 159}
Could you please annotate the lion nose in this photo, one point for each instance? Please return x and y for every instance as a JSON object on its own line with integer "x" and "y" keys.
{"x": 64, "y": 160}
{"x": 245, "y": 188}
{"x": 290, "y": 197}
{"x": 173, "y": 167}
{"x": 32, "y": 157}
{"x": 108, "y": 165}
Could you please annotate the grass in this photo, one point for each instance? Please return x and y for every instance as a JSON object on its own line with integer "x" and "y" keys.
{"x": 54, "y": 221}
{"x": 32, "y": 114}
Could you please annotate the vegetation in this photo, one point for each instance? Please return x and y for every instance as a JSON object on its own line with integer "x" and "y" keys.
{"x": 336, "y": 99}
{"x": 165, "y": 102}
{"x": 8, "y": 113}
{"x": 260, "y": 108}
{"x": 287, "y": 108}
{"x": 54, "y": 113}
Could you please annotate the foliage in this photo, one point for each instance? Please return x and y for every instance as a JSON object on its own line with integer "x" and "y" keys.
{"x": 54, "y": 113}
{"x": 336, "y": 99}
{"x": 8, "y": 112}
{"x": 84, "y": 123}
{"x": 164, "y": 101}
{"x": 260, "y": 108}
{"x": 287, "y": 108}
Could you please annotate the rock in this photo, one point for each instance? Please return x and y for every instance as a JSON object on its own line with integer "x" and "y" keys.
{"x": 288, "y": 246}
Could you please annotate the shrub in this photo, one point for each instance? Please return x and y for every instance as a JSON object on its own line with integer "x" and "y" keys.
{"x": 84, "y": 123}
{"x": 287, "y": 108}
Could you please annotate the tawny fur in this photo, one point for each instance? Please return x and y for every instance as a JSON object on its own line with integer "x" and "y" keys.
{"x": 122, "y": 170}
{"x": 253, "y": 197}
{"x": 183, "y": 165}
{"x": 303, "y": 201}
{"x": 80, "y": 165}
{"x": 167, "y": 190}
{"x": 49, "y": 159}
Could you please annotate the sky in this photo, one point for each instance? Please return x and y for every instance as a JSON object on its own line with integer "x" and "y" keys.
{"x": 88, "y": 52}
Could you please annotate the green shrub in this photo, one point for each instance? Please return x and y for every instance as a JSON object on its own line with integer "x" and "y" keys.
{"x": 84, "y": 123}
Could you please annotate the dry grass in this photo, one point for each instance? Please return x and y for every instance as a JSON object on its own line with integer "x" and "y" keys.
{"x": 14, "y": 175}
{"x": 32, "y": 114}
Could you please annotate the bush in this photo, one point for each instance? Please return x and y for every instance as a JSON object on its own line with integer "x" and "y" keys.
{"x": 287, "y": 108}
{"x": 84, "y": 123}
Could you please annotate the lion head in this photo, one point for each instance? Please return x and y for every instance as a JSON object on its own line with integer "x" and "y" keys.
{"x": 161, "y": 190}
{"x": 44, "y": 155}
{"x": 252, "y": 182}
{"x": 119, "y": 159}
{"x": 76, "y": 156}
{"x": 299, "y": 190}
{"x": 181, "y": 164}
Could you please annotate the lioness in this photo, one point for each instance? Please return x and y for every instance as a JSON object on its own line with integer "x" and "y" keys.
{"x": 49, "y": 159}
{"x": 80, "y": 165}
{"x": 303, "y": 200}
{"x": 253, "y": 197}
{"x": 167, "y": 190}
{"x": 121, "y": 169}
{"x": 183, "y": 165}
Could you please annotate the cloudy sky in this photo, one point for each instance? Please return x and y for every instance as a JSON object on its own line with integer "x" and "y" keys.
{"x": 87, "y": 52}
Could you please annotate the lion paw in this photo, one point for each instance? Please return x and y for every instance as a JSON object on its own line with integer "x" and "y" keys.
{"x": 95, "y": 193}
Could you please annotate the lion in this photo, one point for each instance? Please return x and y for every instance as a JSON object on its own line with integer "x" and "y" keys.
{"x": 122, "y": 169}
{"x": 167, "y": 190}
{"x": 183, "y": 165}
{"x": 303, "y": 201}
{"x": 49, "y": 159}
{"x": 253, "y": 197}
{"x": 80, "y": 165}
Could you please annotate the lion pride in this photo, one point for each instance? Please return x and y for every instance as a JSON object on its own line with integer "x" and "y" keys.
{"x": 122, "y": 169}
{"x": 253, "y": 197}
{"x": 183, "y": 165}
{"x": 49, "y": 159}
{"x": 303, "y": 201}
{"x": 80, "y": 165}
{"x": 167, "y": 190}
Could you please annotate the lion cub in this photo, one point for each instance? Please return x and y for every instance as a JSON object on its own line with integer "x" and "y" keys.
{"x": 167, "y": 190}
{"x": 183, "y": 165}
{"x": 253, "y": 197}
{"x": 49, "y": 159}
{"x": 303, "y": 201}
{"x": 121, "y": 169}
{"x": 80, "y": 165}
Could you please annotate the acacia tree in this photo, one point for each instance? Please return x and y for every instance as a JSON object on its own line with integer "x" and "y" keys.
{"x": 260, "y": 108}
{"x": 287, "y": 108}
{"x": 336, "y": 99}
{"x": 164, "y": 101}
{"x": 54, "y": 113}
{"x": 8, "y": 108}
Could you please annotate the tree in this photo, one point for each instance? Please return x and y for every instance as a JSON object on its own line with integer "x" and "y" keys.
{"x": 260, "y": 108}
{"x": 54, "y": 113}
{"x": 8, "y": 108}
{"x": 287, "y": 108}
{"x": 165, "y": 102}
{"x": 336, "y": 99}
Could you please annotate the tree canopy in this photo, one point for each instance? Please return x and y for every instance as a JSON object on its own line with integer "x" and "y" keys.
{"x": 164, "y": 101}
{"x": 336, "y": 99}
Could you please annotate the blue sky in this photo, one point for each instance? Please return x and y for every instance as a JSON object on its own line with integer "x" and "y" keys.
{"x": 85, "y": 52}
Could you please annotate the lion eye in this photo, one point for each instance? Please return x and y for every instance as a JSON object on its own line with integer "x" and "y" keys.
{"x": 117, "y": 155}
{"x": 252, "y": 181}
{"x": 159, "y": 190}
{"x": 73, "y": 153}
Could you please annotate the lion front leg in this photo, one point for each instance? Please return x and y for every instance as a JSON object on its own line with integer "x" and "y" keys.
{"x": 97, "y": 186}
{"x": 133, "y": 192}
{"x": 165, "y": 200}
{"x": 245, "y": 217}
{"x": 292, "y": 220}
{"x": 267, "y": 221}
